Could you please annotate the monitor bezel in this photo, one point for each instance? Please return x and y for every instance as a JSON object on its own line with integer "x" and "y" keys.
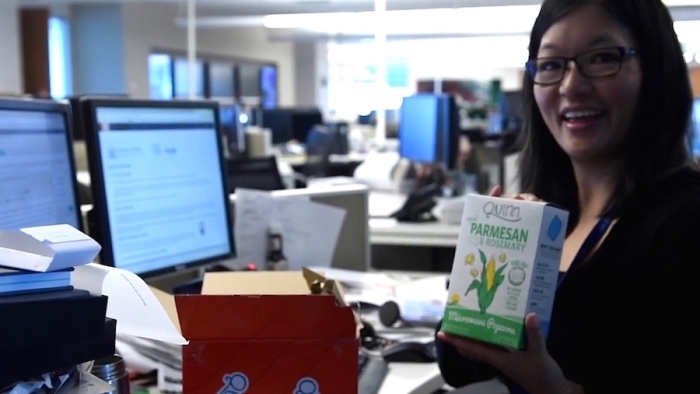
{"x": 62, "y": 108}
{"x": 89, "y": 108}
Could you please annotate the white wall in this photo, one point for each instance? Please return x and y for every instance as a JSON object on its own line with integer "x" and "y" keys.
{"x": 311, "y": 74}
{"x": 152, "y": 26}
{"x": 11, "y": 64}
{"x": 97, "y": 46}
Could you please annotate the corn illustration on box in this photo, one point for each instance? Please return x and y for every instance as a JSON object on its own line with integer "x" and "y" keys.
{"x": 506, "y": 265}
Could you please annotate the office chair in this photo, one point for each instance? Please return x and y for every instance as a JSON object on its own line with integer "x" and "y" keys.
{"x": 253, "y": 173}
{"x": 319, "y": 146}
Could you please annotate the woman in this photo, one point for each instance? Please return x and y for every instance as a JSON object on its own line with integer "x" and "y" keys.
{"x": 607, "y": 102}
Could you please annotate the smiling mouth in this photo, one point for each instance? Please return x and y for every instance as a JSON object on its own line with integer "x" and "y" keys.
{"x": 582, "y": 116}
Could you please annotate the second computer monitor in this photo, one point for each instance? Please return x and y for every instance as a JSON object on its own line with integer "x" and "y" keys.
{"x": 429, "y": 129}
{"x": 158, "y": 184}
{"x": 37, "y": 174}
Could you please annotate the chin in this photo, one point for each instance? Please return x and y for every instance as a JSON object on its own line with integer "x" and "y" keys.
{"x": 586, "y": 155}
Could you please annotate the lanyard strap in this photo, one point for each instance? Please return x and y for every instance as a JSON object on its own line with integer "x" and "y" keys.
{"x": 591, "y": 241}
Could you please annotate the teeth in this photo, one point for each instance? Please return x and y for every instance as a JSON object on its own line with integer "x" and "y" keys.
{"x": 581, "y": 114}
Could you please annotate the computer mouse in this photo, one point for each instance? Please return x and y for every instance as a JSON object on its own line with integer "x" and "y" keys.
{"x": 409, "y": 352}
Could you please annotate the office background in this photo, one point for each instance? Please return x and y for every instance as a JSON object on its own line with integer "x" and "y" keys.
{"x": 102, "y": 47}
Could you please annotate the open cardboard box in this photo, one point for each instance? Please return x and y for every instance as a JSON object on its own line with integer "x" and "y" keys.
{"x": 265, "y": 332}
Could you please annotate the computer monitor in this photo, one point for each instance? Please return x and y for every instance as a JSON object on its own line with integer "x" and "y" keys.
{"x": 429, "y": 129}
{"x": 37, "y": 172}
{"x": 158, "y": 184}
{"x": 289, "y": 124}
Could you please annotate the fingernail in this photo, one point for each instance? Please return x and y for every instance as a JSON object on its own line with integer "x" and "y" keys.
{"x": 534, "y": 322}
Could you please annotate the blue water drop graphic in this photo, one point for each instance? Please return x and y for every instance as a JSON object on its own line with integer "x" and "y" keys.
{"x": 307, "y": 386}
{"x": 554, "y": 228}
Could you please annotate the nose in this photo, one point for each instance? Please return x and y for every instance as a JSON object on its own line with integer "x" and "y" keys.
{"x": 574, "y": 82}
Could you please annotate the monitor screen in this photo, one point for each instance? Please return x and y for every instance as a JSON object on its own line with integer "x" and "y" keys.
{"x": 249, "y": 80}
{"x": 268, "y": 84}
{"x": 37, "y": 174}
{"x": 221, "y": 80}
{"x": 418, "y": 128}
{"x": 158, "y": 184}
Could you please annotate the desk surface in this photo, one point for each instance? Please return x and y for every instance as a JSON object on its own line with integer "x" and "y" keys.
{"x": 300, "y": 160}
{"x": 391, "y": 232}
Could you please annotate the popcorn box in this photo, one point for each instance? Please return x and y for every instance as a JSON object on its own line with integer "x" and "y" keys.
{"x": 506, "y": 266}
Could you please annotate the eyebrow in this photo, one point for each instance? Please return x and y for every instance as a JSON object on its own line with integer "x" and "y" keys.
{"x": 602, "y": 39}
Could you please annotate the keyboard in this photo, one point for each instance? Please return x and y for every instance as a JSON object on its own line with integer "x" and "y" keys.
{"x": 371, "y": 372}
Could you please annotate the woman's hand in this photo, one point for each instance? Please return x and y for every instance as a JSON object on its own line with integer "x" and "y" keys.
{"x": 533, "y": 369}
{"x": 497, "y": 192}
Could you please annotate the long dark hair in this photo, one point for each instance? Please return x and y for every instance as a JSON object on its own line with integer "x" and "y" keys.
{"x": 658, "y": 140}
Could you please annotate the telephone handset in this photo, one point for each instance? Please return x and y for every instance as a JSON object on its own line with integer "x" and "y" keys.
{"x": 419, "y": 205}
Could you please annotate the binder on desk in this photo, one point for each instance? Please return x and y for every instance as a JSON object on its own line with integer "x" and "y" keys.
{"x": 15, "y": 281}
{"x": 33, "y": 361}
{"x": 51, "y": 318}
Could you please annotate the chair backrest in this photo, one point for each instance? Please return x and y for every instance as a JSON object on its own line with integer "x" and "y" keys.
{"x": 257, "y": 174}
{"x": 319, "y": 145}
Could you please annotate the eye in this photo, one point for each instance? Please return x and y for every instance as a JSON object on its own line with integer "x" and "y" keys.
{"x": 604, "y": 57}
{"x": 548, "y": 65}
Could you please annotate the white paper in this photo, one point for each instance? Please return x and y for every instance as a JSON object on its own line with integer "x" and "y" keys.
{"x": 90, "y": 384}
{"x": 310, "y": 230}
{"x": 253, "y": 213}
{"x": 136, "y": 309}
{"x": 170, "y": 380}
{"x": 33, "y": 248}
{"x": 56, "y": 233}
{"x": 375, "y": 281}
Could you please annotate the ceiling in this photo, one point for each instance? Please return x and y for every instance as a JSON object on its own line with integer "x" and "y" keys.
{"x": 229, "y": 13}
{"x": 264, "y": 7}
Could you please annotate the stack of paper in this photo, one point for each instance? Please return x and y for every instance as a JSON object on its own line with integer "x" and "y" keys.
{"x": 40, "y": 259}
{"x": 148, "y": 334}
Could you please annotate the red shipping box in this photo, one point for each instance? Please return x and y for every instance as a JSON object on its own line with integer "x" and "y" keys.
{"x": 267, "y": 333}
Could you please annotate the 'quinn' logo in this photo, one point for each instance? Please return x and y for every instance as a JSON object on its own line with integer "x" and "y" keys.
{"x": 507, "y": 212}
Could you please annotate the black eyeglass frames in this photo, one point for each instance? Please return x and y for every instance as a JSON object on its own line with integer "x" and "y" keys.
{"x": 595, "y": 63}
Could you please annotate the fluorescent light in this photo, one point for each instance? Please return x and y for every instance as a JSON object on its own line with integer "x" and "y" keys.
{"x": 681, "y": 3}
{"x": 468, "y": 20}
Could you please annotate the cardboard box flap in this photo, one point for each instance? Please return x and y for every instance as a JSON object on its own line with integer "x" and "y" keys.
{"x": 254, "y": 283}
{"x": 210, "y": 317}
{"x": 267, "y": 304}
{"x": 168, "y": 302}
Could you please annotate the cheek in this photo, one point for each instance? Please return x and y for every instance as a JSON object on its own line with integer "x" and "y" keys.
{"x": 623, "y": 97}
{"x": 545, "y": 99}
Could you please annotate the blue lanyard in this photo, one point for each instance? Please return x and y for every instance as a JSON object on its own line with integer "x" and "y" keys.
{"x": 591, "y": 241}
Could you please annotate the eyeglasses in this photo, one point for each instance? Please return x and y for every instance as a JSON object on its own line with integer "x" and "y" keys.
{"x": 597, "y": 63}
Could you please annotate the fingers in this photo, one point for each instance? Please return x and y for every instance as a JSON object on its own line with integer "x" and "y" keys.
{"x": 475, "y": 350}
{"x": 497, "y": 191}
{"x": 524, "y": 196}
{"x": 535, "y": 339}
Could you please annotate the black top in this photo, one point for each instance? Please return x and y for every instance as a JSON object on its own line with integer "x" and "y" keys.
{"x": 624, "y": 321}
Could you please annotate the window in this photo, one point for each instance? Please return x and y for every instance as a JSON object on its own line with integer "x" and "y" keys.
{"x": 182, "y": 78}
{"x": 160, "y": 76}
{"x": 60, "y": 75}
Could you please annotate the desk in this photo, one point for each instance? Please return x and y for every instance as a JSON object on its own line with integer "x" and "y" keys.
{"x": 300, "y": 160}
{"x": 434, "y": 234}
{"x": 408, "y": 246}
